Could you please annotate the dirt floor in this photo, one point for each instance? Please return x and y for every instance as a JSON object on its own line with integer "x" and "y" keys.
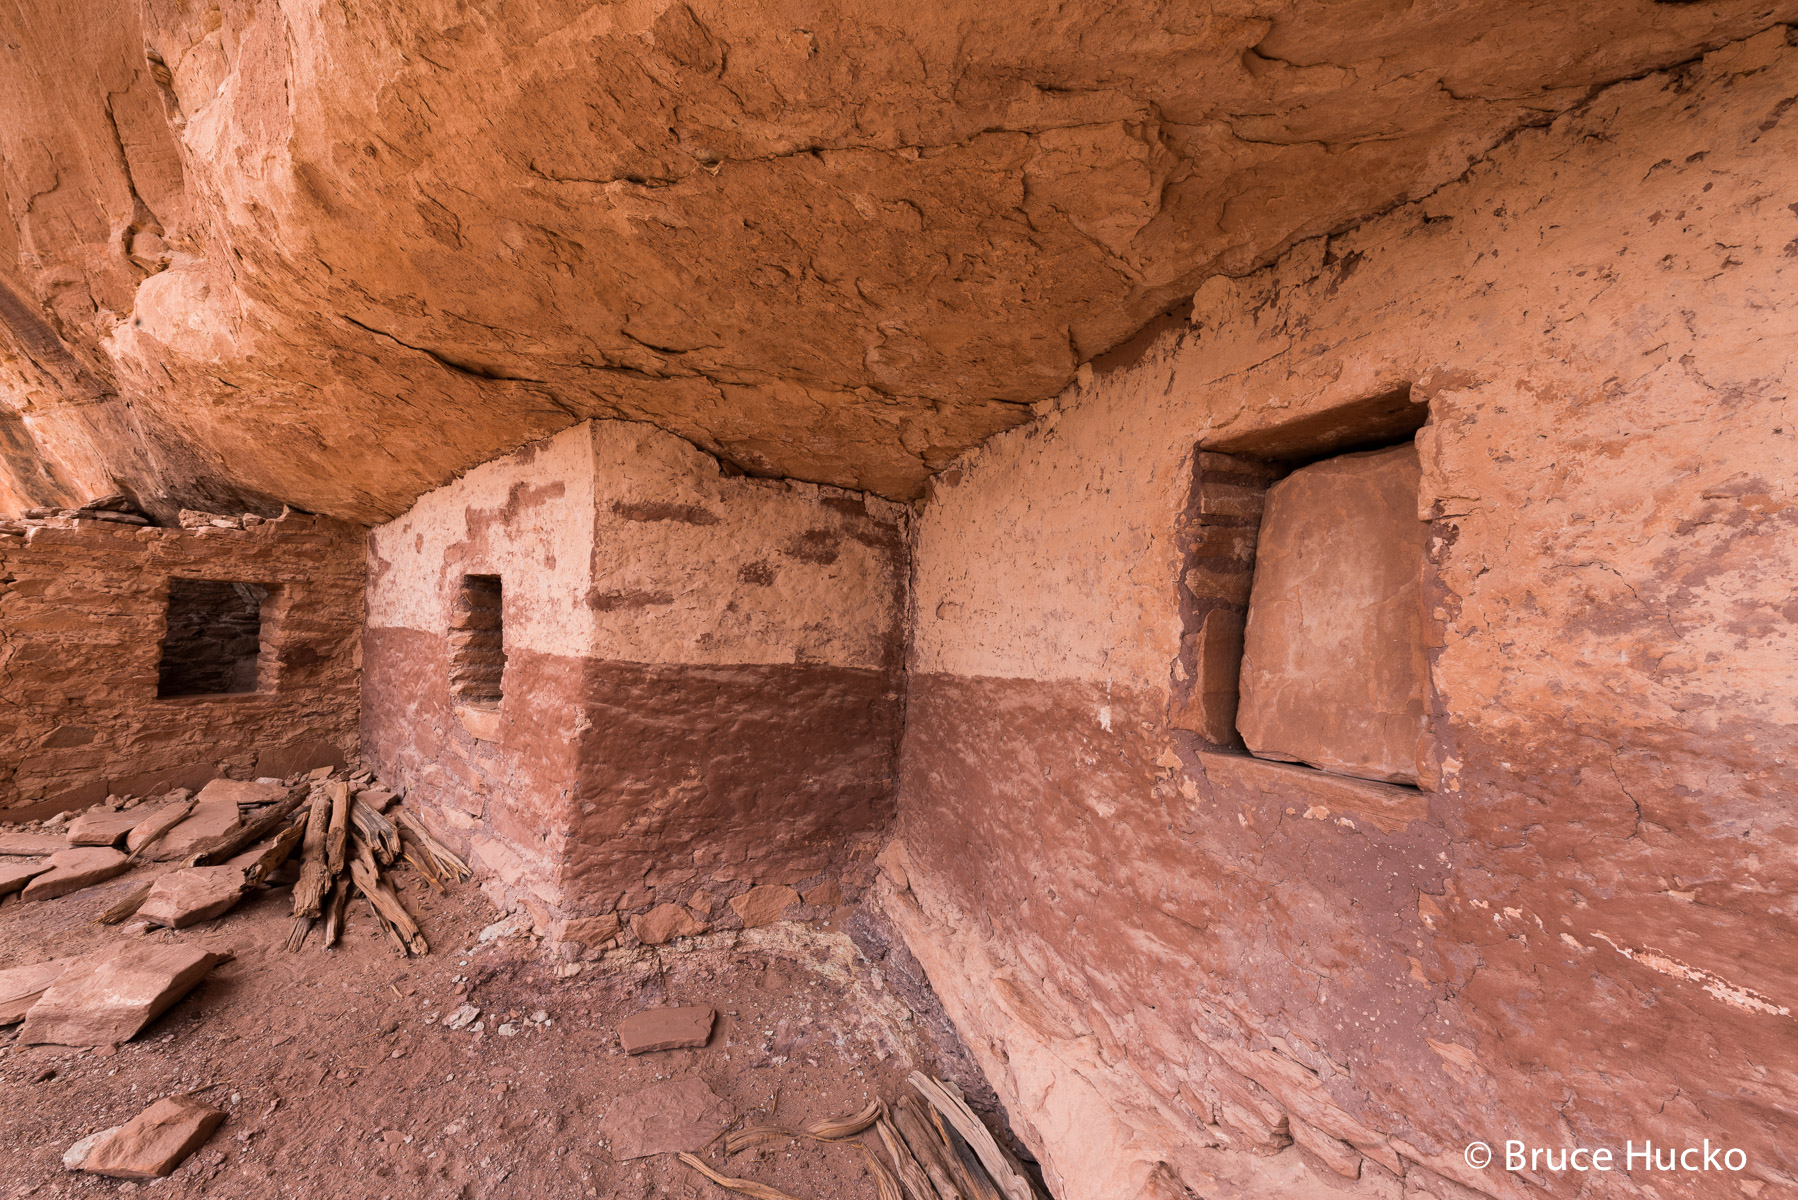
{"x": 340, "y": 1079}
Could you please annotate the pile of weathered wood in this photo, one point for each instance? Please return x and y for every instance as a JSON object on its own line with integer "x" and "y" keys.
{"x": 938, "y": 1147}
{"x": 347, "y": 841}
{"x": 327, "y": 835}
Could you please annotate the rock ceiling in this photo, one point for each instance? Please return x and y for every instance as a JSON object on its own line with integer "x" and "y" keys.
{"x": 333, "y": 254}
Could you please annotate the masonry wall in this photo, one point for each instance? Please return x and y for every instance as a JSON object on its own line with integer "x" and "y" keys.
{"x": 1184, "y": 968}
{"x": 701, "y": 686}
{"x": 83, "y": 610}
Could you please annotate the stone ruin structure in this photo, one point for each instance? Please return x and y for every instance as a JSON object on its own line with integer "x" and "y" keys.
{"x": 1263, "y": 534}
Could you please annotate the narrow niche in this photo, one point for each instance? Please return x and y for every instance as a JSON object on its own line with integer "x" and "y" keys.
{"x": 212, "y": 644}
{"x": 478, "y": 642}
{"x": 1303, "y": 594}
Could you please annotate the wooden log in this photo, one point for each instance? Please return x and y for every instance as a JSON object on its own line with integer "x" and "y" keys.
{"x": 911, "y": 1175}
{"x": 334, "y": 911}
{"x": 1000, "y": 1166}
{"x": 885, "y": 1182}
{"x": 337, "y": 837}
{"x": 743, "y": 1187}
{"x": 270, "y": 860}
{"x": 362, "y": 852}
{"x": 381, "y": 834}
{"x": 296, "y": 937}
{"x": 159, "y": 823}
{"x": 386, "y": 903}
{"x": 969, "y": 1174}
{"x": 932, "y": 1155}
{"x": 446, "y": 859}
{"x": 315, "y": 876}
{"x": 218, "y": 849}
{"x": 421, "y": 861}
{"x": 124, "y": 908}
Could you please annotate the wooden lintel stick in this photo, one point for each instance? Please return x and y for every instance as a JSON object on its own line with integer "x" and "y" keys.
{"x": 386, "y": 903}
{"x": 334, "y": 911}
{"x": 218, "y": 849}
{"x": 270, "y": 860}
{"x": 309, "y": 892}
{"x": 337, "y": 838}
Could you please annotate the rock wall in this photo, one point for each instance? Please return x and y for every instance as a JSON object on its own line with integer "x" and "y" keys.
{"x": 334, "y": 255}
{"x": 701, "y": 684}
{"x": 1183, "y": 967}
{"x": 84, "y": 606}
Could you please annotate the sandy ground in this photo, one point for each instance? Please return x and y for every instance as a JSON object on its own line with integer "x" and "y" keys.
{"x": 341, "y": 1081}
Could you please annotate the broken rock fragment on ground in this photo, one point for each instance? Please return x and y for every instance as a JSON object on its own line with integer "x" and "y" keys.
{"x": 239, "y": 792}
{"x": 210, "y": 818}
{"x": 72, "y": 870}
{"x": 763, "y": 905}
{"x": 20, "y": 987}
{"x": 106, "y": 997}
{"x": 191, "y": 895}
{"x": 665, "y": 922}
{"x": 30, "y": 845}
{"x": 682, "y": 1114}
{"x": 15, "y": 875}
{"x": 155, "y": 1142}
{"x": 98, "y": 827}
{"x": 666, "y": 1029}
{"x": 156, "y": 822}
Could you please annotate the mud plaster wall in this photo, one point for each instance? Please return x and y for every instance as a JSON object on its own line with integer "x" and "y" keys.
{"x": 1171, "y": 965}
{"x": 701, "y": 682}
{"x": 83, "y": 610}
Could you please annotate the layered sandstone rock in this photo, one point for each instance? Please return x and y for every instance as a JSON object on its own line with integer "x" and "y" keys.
{"x": 189, "y": 896}
{"x": 208, "y": 819}
{"x": 71, "y": 870}
{"x": 334, "y": 261}
{"x": 21, "y": 987}
{"x": 101, "y": 828}
{"x": 154, "y": 1142}
{"x": 106, "y": 997}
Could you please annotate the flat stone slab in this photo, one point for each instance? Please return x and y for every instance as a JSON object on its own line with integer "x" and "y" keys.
{"x": 191, "y": 895}
{"x": 20, "y": 987}
{"x": 156, "y": 822}
{"x": 1333, "y": 660}
{"x": 209, "y": 819}
{"x": 72, "y": 870}
{"x": 682, "y": 1114}
{"x": 103, "y": 828}
{"x": 154, "y": 1142}
{"x": 666, "y": 1029}
{"x": 239, "y": 792}
{"x": 106, "y": 997}
{"x": 15, "y": 875}
{"x": 764, "y": 905}
{"x": 31, "y": 845}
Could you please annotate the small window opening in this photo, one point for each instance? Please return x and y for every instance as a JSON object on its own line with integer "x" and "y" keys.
{"x": 213, "y": 643}
{"x": 1302, "y": 594}
{"x": 477, "y": 642}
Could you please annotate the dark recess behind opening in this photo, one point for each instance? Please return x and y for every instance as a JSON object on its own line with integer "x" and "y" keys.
{"x": 213, "y": 645}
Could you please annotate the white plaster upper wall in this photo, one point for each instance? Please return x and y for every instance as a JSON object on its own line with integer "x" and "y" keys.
{"x": 691, "y": 566}
{"x": 1603, "y": 323}
{"x": 616, "y": 540}
{"x": 527, "y": 517}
